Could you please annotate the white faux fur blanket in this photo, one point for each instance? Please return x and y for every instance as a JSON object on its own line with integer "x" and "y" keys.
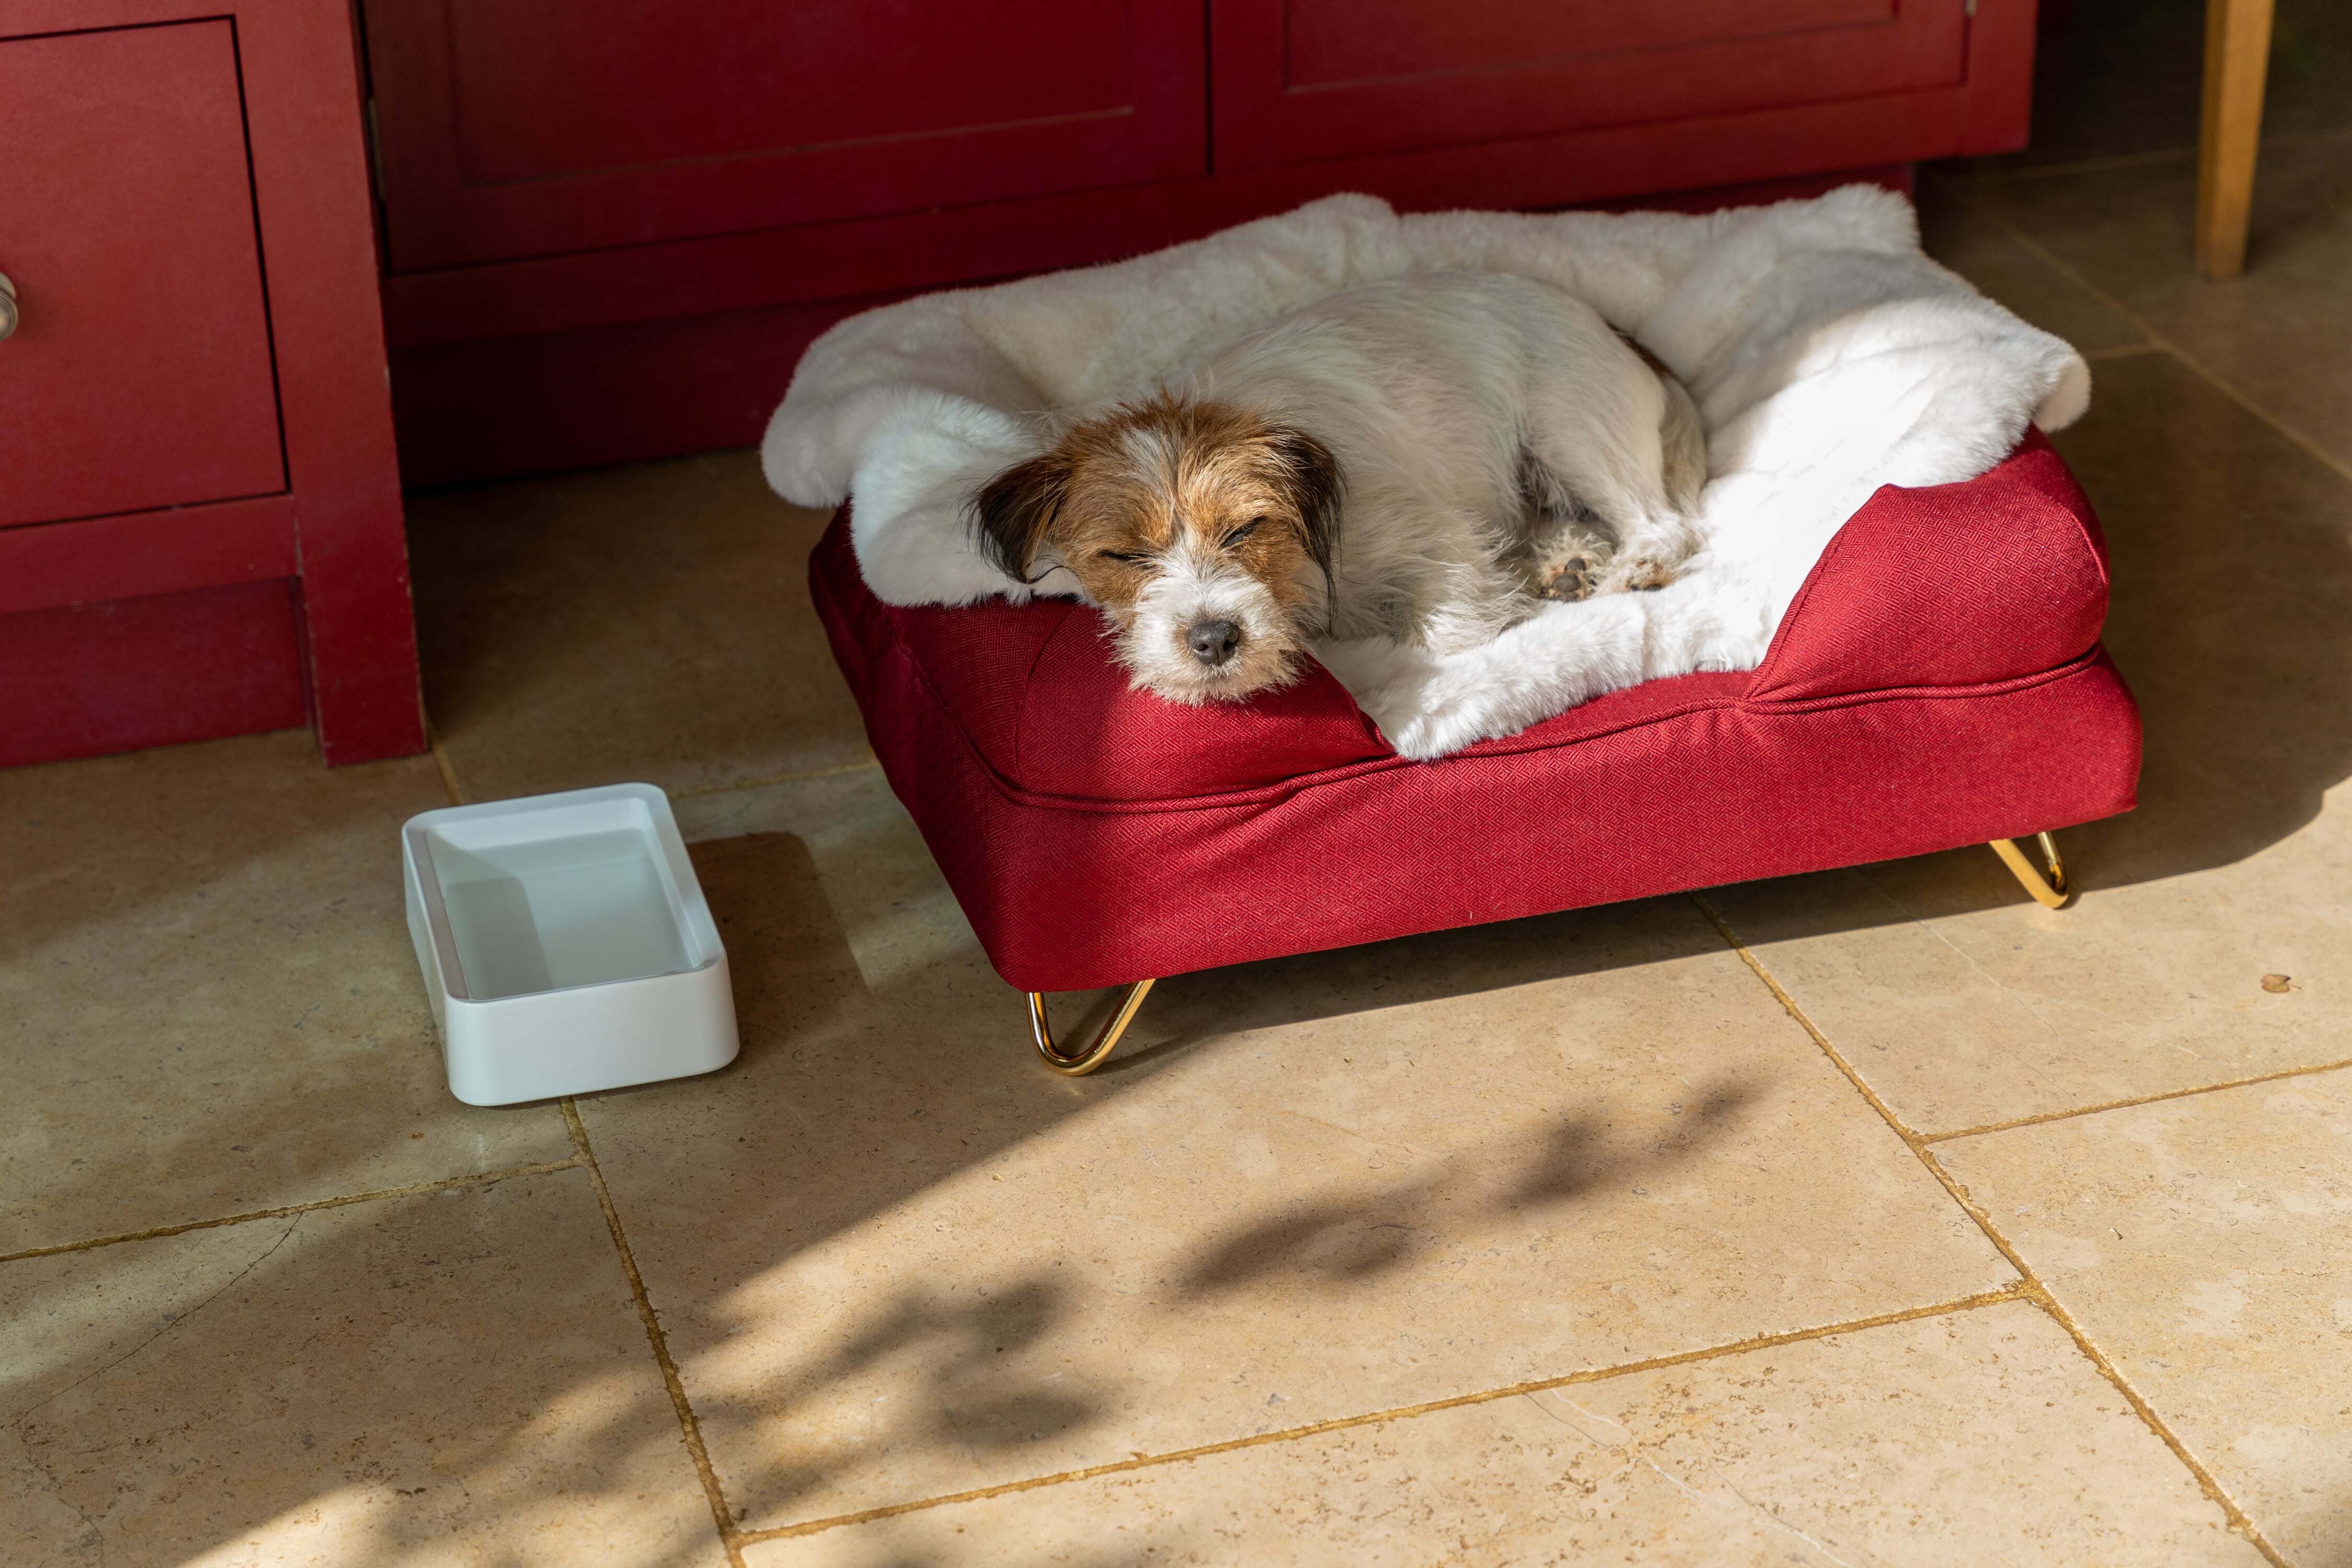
{"x": 1827, "y": 354}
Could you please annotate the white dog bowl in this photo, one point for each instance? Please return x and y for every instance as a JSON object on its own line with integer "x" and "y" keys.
{"x": 566, "y": 945}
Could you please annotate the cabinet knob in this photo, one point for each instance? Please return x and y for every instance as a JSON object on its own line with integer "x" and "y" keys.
{"x": 8, "y": 306}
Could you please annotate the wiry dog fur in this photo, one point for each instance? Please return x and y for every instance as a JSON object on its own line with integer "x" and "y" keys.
{"x": 1418, "y": 458}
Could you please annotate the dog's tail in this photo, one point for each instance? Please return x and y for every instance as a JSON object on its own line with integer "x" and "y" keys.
{"x": 1682, "y": 432}
{"x": 1685, "y": 444}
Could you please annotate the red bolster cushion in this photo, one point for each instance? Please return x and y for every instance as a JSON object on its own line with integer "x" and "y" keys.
{"x": 1996, "y": 578}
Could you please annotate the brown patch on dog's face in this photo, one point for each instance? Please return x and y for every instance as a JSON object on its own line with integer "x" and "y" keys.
{"x": 1177, "y": 518}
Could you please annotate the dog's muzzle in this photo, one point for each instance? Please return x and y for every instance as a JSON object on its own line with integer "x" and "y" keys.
{"x": 1213, "y": 643}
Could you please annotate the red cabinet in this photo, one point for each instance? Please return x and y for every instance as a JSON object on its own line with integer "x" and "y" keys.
{"x": 613, "y": 225}
{"x": 517, "y": 128}
{"x": 200, "y": 528}
{"x": 1303, "y": 80}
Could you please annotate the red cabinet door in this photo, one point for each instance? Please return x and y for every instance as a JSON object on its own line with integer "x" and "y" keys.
{"x": 513, "y": 128}
{"x": 140, "y": 373}
{"x": 1298, "y": 81}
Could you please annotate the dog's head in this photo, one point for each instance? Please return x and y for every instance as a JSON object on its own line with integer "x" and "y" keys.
{"x": 1204, "y": 532}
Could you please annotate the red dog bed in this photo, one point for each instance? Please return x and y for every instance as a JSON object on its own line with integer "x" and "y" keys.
{"x": 1937, "y": 681}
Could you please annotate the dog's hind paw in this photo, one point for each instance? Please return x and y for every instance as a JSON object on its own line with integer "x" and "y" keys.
{"x": 1575, "y": 578}
{"x": 1639, "y": 572}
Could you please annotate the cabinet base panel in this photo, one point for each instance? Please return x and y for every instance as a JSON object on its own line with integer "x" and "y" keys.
{"x": 125, "y": 674}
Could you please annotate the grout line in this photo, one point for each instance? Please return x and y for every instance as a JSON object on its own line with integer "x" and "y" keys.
{"x": 538, "y": 1168}
{"x": 2141, "y": 1100}
{"x": 441, "y": 760}
{"x": 2159, "y": 339}
{"x": 689, "y": 1427}
{"x": 2041, "y": 1295}
{"x": 1789, "y": 1004}
{"x": 868, "y": 764}
{"x": 2033, "y": 1290}
{"x": 1341, "y": 1422}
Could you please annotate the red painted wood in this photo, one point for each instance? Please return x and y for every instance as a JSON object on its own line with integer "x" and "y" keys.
{"x": 1329, "y": 45}
{"x": 310, "y": 199}
{"x": 1300, "y": 80}
{"x": 605, "y": 395}
{"x": 498, "y": 366}
{"x": 311, "y": 174}
{"x": 527, "y": 127}
{"x": 1999, "y": 110}
{"x": 999, "y": 239}
{"x": 656, "y": 389}
{"x": 140, "y": 374}
{"x": 144, "y": 553}
{"x": 156, "y": 671}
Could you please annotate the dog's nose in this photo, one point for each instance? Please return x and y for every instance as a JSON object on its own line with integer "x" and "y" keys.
{"x": 1213, "y": 642}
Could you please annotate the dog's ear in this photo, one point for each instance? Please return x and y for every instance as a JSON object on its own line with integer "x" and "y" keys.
{"x": 1009, "y": 515}
{"x": 1311, "y": 476}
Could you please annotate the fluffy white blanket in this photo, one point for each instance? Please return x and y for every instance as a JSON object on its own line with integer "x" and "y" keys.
{"x": 1827, "y": 354}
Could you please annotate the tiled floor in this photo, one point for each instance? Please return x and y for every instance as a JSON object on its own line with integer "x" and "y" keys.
{"x": 1879, "y": 1217}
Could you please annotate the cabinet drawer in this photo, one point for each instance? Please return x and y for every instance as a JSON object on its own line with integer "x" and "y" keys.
{"x": 140, "y": 373}
{"x": 1299, "y": 80}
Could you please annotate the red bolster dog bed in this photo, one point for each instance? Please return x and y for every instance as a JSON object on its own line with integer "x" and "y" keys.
{"x": 1937, "y": 681}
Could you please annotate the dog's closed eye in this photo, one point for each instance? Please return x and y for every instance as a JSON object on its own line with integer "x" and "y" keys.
{"x": 1243, "y": 532}
{"x": 1126, "y": 557}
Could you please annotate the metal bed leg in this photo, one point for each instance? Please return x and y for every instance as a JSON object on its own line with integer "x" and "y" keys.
{"x": 1078, "y": 1063}
{"x": 2049, "y": 889}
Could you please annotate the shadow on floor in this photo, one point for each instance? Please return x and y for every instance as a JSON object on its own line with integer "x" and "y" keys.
{"x": 2232, "y": 556}
{"x": 908, "y": 1090}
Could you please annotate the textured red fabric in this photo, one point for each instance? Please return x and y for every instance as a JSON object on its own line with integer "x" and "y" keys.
{"x": 1936, "y": 682}
{"x": 1038, "y": 695}
{"x": 1999, "y": 577}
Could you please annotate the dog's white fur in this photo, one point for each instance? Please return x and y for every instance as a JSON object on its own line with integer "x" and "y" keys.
{"x": 1827, "y": 355}
{"x": 1445, "y": 445}
{"x": 1440, "y": 395}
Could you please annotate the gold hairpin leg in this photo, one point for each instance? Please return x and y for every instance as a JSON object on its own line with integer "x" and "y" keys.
{"x": 1077, "y": 1064}
{"x": 2049, "y": 890}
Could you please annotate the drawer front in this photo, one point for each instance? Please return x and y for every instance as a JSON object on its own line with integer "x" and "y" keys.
{"x": 1299, "y": 80}
{"x": 140, "y": 376}
{"x": 513, "y": 128}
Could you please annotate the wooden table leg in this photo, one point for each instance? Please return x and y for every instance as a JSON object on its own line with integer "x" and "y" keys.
{"x": 2237, "y": 58}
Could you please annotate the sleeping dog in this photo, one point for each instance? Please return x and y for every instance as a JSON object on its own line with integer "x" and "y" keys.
{"x": 1420, "y": 459}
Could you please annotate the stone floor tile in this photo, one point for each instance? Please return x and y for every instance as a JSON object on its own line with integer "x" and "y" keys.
{"x": 1964, "y": 236}
{"x": 458, "y": 1378}
{"x": 895, "y": 1258}
{"x": 1974, "y": 1440}
{"x": 1963, "y": 1003}
{"x": 2281, "y": 335}
{"x": 650, "y": 622}
{"x": 901, "y": 925}
{"x": 2205, "y": 1246}
{"x": 208, "y": 1000}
